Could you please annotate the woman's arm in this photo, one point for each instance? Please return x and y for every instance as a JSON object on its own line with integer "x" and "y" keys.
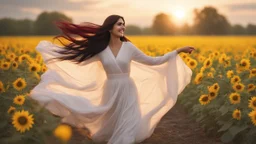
{"x": 139, "y": 56}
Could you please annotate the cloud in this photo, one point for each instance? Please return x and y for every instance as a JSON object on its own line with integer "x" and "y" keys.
{"x": 56, "y": 5}
{"x": 242, "y": 6}
{"x": 32, "y": 10}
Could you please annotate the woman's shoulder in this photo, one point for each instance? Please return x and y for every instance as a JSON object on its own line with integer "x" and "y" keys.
{"x": 129, "y": 44}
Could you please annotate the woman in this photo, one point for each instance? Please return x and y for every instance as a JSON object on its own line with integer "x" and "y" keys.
{"x": 103, "y": 82}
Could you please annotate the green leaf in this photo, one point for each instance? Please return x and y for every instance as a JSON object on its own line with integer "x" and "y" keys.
{"x": 223, "y": 109}
{"x": 234, "y": 130}
{"x": 227, "y": 137}
{"x": 226, "y": 126}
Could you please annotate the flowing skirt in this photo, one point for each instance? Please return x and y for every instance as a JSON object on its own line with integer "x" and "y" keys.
{"x": 121, "y": 108}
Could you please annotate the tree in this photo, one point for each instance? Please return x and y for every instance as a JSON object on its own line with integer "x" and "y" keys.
{"x": 238, "y": 30}
{"x": 163, "y": 25}
{"x": 44, "y": 23}
{"x": 9, "y": 26}
{"x": 133, "y": 30}
{"x": 209, "y": 22}
{"x": 251, "y": 29}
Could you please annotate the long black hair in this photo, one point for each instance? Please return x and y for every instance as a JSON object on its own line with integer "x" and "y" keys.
{"x": 95, "y": 38}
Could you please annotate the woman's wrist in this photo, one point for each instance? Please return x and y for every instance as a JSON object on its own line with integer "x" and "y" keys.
{"x": 179, "y": 50}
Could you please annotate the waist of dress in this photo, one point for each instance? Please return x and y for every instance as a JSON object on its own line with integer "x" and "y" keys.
{"x": 118, "y": 76}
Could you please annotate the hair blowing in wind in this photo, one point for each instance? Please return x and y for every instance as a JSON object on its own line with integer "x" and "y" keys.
{"x": 86, "y": 39}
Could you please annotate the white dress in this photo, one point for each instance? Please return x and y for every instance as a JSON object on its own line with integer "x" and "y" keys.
{"x": 120, "y": 100}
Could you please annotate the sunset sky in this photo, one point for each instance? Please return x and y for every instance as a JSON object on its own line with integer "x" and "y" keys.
{"x": 139, "y": 12}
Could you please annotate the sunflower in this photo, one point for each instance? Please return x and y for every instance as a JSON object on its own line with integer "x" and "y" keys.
{"x": 234, "y": 98}
{"x": 227, "y": 63}
{"x": 215, "y": 87}
{"x": 250, "y": 87}
{"x": 252, "y": 115}
{"x": 212, "y": 95}
{"x": 208, "y": 63}
{"x": 198, "y": 78}
{"x": 19, "y": 84}
{"x": 202, "y": 69}
{"x": 5, "y": 65}
{"x": 238, "y": 87}
{"x": 19, "y": 99}
{"x": 24, "y": 57}
{"x": 22, "y": 121}
{"x": 183, "y": 55}
{"x": 43, "y": 68}
{"x": 216, "y": 53}
{"x": 204, "y": 99}
{"x": 63, "y": 132}
{"x": 236, "y": 114}
{"x": 14, "y": 65}
{"x": 16, "y": 59}
{"x": 192, "y": 63}
{"x": 21, "y": 51}
{"x": 252, "y": 72}
{"x": 188, "y": 59}
{"x": 245, "y": 64}
{"x": 253, "y": 54}
{"x": 210, "y": 74}
{"x": 11, "y": 56}
{"x": 1, "y": 87}
{"x": 11, "y": 110}
{"x": 34, "y": 67}
{"x": 230, "y": 73}
{"x": 222, "y": 58}
{"x": 235, "y": 79}
{"x": 201, "y": 58}
{"x": 252, "y": 103}
{"x": 238, "y": 69}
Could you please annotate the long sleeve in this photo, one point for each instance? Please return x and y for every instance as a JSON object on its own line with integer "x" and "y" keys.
{"x": 139, "y": 56}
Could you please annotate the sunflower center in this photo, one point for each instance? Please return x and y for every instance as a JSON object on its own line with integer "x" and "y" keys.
{"x": 253, "y": 71}
{"x": 205, "y": 99}
{"x": 5, "y": 65}
{"x": 243, "y": 64}
{"x": 33, "y": 68}
{"x": 19, "y": 83}
{"x": 236, "y": 79}
{"x": 212, "y": 94}
{"x": 14, "y": 64}
{"x": 192, "y": 63}
{"x": 238, "y": 87}
{"x": 235, "y": 98}
{"x": 237, "y": 114}
{"x": 208, "y": 63}
{"x": 1, "y": 89}
{"x": 22, "y": 120}
{"x": 19, "y": 99}
{"x": 254, "y": 103}
{"x": 12, "y": 111}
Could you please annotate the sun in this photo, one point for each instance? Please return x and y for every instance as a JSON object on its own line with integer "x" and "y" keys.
{"x": 179, "y": 13}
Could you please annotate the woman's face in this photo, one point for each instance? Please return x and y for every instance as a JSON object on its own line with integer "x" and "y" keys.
{"x": 118, "y": 28}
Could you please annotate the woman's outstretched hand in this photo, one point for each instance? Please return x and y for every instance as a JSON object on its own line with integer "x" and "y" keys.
{"x": 186, "y": 49}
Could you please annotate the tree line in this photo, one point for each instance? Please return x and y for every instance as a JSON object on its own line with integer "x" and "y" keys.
{"x": 207, "y": 21}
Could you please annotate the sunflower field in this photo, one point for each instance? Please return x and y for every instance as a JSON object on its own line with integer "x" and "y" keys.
{"x": 221, "y": 95}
